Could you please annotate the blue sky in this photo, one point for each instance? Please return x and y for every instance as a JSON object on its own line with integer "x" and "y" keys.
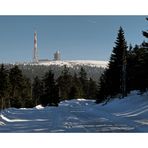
{"x": 77, "y": 37}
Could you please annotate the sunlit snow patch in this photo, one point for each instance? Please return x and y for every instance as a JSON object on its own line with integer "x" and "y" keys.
{"x": 39, "y": 107}
{"x": 2, "y": 123}
{"x": 143, "y": 121}
{"x": 23, "y": 108}
{"x": 81, "y": 99}
{"x": 12, "y": 120}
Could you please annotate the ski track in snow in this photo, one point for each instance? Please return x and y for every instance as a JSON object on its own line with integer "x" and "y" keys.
{"x": 79, "y": 116}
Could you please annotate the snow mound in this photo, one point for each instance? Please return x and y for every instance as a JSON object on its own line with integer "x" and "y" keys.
{"x": 81, "y": 99}
{"x": 39, "y": 107}
{"x": 133, "y": 101}
{"x": 23, "y": 108}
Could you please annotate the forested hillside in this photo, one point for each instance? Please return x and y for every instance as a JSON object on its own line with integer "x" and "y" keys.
{"x": 31, "y": 71}
{"x": 30, "y": 85}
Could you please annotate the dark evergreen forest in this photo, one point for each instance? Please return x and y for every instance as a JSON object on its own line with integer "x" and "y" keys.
{"x": 19, "y": 91}
{"x": 127, "y": 69}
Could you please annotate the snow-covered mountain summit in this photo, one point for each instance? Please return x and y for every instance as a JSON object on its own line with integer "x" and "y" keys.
{"x": 71, "y": 63}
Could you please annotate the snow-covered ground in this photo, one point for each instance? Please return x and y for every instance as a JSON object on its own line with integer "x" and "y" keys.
{"x": 124, "y": 115}
{"x": 71, "y": 63}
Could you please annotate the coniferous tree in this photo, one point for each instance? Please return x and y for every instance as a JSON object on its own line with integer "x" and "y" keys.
{"x": 64, "y": 83}
{"x": 76, "y": 88}
{"x": 78, "y": 84}
{"x": 130, "y": 68}
{"x": 20, "y": 87}
{"x": 92, "y": 89}
{"x": 117, "y": 62}
{"x": 103, "y": 89}
{"x": 137, "y": 73}
{"x": 144, "y": 66}
{"x": 111, "y": 82}
{"x": 4, "y": 88}
{"x": 27, "y": 93}
{"x": 50, "y": 90}
{"x": 84, "y": 81}
{"x": 16, "y": 80}
{"x": 73, "y": 92}
{"x": 140, "y": 67}
{"x": 37, "y": 90}
{"x": 145, "y": 34}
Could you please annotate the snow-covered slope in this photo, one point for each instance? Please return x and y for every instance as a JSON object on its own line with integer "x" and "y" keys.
{"x": 72, "y": 63}
{"x": 120, "y": 115}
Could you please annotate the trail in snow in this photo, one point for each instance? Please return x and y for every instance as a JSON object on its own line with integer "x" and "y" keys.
{"x": 126, "y": 115}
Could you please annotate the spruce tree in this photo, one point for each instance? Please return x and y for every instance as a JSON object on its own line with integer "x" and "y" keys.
{"x": 145, "y": 63}
{"x": 135, "y": 71}
{"x": 64, "y": 82}
{"x": 131, "y": 62}
{"x": 73, "y": 93}
{"x": 4, "y": 88}
{"x": 116, "y": 63}
{"x": 27, "y": 93}
{"x": 76, "y": 88}
{"x": 92, "y": 89}
{"x": 113, "y": 80}
{"x": 137, "y": 66}
{"x": 50, "y": 90}
{"x": 84, "y": 81}
{"x": 145, "y": 34}
{"x": 20, "y": 87}
{"x": 78, "y": 84}
{"x": 37, "y": 90}
{"x": 103, "y": 90}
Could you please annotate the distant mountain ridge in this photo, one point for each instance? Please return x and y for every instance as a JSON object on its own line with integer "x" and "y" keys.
{"x": 71, "y": 63}
{"x": 94, "y": 69}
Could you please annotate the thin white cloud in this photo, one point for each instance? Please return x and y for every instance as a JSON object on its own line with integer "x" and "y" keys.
{"x": 92, "y": 21}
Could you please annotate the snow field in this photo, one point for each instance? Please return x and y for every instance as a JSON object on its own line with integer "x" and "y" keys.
{"x": 80, "y": 116}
